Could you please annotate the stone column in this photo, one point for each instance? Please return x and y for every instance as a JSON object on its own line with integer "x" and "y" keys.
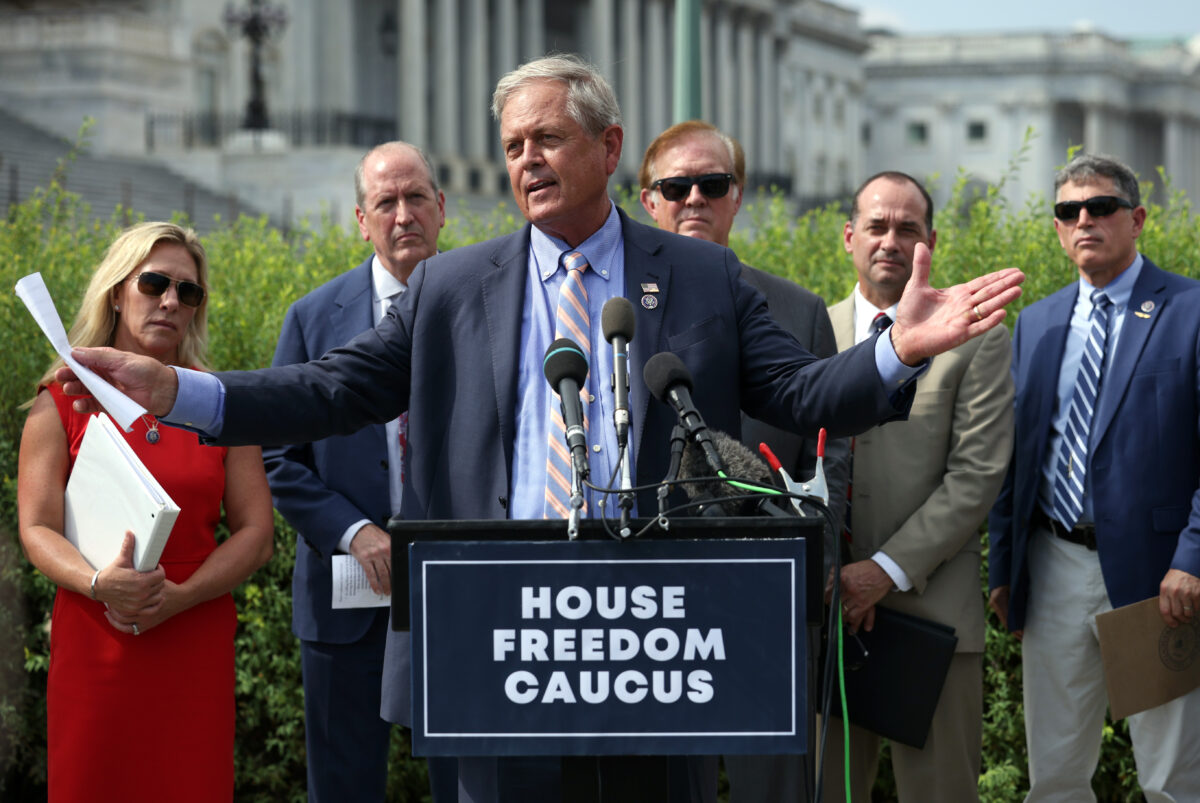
{"x": 726, "y": 87}
{"x": 708, "y": 71}
{"x": 533, "y": 29}
{"x": 631, "y": 82}
{"x": 412, "y": 114}
{"x": 447, "y": 122}
{"x": 657, "y": 77}
{"x": 478, "y": 81}
{"x": 745, "y": 83}
{"x": 602, "y": 36}
{"x": 767, "y": 158}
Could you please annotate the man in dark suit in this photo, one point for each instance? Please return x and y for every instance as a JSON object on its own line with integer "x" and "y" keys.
{"x": 693, "y": 180}
{"x": 339, "y": 492}
{"x": 1101, "y": 510}
{"x": 462, "y": 351}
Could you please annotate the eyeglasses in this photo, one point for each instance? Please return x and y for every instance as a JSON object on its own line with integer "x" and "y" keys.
{"x": 150, "y": 283}
{"x": 676, "y": 188}
{"x": 1096, "y": 206}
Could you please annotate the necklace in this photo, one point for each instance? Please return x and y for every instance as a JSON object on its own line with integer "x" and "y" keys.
{"x": 151, "y": 429}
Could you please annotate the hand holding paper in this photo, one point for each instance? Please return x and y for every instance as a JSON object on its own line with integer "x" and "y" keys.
{"x": 32, "y": 291}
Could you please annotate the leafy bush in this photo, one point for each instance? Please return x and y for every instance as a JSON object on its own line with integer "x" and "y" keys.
{"x": 257, "y": 271}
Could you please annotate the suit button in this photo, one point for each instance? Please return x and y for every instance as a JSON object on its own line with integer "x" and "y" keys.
{"x": 383, "y": 464}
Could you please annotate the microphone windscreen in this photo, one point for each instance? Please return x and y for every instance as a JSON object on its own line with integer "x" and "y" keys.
{"x": 617, "y": 319}
{"x": 564, "y": 359}
{"x": 664, "y": 370}
{"x": 740, "y": 463}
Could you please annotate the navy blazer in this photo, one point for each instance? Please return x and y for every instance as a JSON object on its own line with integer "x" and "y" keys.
{"x": 323, "y": 487}
{"x": 1144, "y": 466}
{"x": 448, "y": 353}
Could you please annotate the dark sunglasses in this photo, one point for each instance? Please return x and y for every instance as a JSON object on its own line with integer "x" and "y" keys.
{"x": 1097, "y": 206}
{"x": 676, "y": 188}
{"x": 150, "y": 283}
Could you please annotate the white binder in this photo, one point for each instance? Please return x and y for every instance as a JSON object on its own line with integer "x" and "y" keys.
{"x": 111, "y": 491}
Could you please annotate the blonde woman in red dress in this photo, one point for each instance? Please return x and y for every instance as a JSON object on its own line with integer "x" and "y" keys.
{"x": 139, "y": 695}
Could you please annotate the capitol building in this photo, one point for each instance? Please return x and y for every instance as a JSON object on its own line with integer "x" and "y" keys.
{"x": 818, "y": 102}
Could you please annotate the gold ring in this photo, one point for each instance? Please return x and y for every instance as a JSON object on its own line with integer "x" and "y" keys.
{"x": 978, "y": 314}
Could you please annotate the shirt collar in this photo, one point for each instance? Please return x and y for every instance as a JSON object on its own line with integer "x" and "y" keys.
{"x": 864, "y": 314}
{"x": 1119, "y": 289}
{"x": 383, "y": 282}
{"x": 598, "y": 248}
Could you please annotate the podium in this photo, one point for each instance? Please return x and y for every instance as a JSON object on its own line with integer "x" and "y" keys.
{"x": 691, "y": 641}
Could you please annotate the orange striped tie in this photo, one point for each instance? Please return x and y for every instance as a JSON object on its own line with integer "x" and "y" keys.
{"x": 570, "y": 320}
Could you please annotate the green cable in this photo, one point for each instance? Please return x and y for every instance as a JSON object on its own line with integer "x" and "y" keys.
{"x": 748, "y": 487}
{"x": 845, "y": 711}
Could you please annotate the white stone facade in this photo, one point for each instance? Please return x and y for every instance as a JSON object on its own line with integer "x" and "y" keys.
{"x": 166, "y": 78}
{"x": 936, "y": 104}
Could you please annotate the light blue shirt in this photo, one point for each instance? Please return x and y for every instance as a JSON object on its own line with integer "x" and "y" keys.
{"x": 1118, "y": 291}
{"x": 604, "y": 279}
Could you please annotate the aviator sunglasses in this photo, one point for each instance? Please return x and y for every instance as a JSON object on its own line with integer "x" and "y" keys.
{"x": 676, "y": 188}
{"x": 1096, "y": 206}
{"x": 150, "y": 283}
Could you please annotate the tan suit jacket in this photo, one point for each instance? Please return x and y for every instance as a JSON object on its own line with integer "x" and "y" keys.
{"x": 923, "y": 486}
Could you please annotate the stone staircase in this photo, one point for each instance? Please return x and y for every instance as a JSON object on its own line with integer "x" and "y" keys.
{"x": 29, "y": 155}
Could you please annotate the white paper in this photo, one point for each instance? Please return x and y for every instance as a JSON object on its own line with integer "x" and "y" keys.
{"x": 350, "y": 586}
{"x": 32, "y": 290}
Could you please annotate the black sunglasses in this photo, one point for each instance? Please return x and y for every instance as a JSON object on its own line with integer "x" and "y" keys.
{"x": 150, "y": 283}
{"x": 1096, "y": 206}
{"x": 676, "y": 188}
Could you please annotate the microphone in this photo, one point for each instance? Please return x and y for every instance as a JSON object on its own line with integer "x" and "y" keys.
{"x": 618, "y": 322}
{"x": 671, "y": 383}
{"x": 740, "y": 462}
{"x": 566, "y": 370}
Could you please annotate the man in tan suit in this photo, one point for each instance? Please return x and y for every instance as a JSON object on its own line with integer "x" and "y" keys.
{"x": 921, "y": 488}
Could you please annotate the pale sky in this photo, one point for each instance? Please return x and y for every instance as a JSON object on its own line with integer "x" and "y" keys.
{"x": 1118, "y": 18}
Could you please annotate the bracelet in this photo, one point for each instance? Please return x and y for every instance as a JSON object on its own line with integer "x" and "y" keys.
{"x": 95, "y": 577}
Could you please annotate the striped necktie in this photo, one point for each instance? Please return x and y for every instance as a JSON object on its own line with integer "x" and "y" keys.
{"x": 572, "y": 320}
{"x": 1072, "y": 458}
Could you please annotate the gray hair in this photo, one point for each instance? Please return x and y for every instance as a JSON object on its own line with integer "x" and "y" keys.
{"x": 591, "y": 101}
{"x": 1088, "y": 166}
{"x": 360, "y": 192}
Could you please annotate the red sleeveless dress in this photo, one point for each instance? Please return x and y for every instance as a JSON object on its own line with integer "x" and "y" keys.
{"x": 149, "y": 717}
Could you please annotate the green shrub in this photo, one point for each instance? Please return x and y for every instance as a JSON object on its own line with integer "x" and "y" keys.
{"x": 257, "y": 271}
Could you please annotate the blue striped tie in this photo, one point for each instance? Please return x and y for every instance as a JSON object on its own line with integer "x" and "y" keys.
{"x": 1072, "y": 459}
{"x": 572, "y": 320}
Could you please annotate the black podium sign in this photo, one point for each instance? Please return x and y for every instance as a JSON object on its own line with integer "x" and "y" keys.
{"x": 608, "y": 648}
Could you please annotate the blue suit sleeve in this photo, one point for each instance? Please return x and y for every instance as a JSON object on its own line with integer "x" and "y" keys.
{"x": 319, "y": 514}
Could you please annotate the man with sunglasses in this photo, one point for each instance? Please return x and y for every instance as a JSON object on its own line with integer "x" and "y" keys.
{"x": 1100, "y": 507}
{"x": 693, "y": 177}
{"x": 339, "y": 492}
{"x": 921, "y": 488}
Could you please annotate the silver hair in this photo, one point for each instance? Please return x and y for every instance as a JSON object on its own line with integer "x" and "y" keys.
{"x": 1097, "y": 165}
{"x": 360, "y": 192}
{"x": 591, "y": 101}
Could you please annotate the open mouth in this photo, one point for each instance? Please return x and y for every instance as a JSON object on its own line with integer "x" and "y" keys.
{"x": 536, "y": 186}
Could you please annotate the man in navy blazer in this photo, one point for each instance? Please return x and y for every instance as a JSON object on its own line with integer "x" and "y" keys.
{"x": 1139, "y": 534}
{"x": 339, "y": 492}
{"x": 462, "y": 351}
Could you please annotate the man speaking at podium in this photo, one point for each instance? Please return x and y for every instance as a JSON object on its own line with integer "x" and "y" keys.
{"x": 462, "y": 351}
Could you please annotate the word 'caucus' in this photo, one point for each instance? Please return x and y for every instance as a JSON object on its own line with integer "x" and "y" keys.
{"x": 607, "y": 645}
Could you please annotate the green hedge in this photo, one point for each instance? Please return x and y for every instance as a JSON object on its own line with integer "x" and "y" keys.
{"x": 257, "y": 271}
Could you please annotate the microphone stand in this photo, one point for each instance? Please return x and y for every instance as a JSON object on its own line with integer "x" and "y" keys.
{"x": 576, "y": 503}
{"x": 625, "y": 498}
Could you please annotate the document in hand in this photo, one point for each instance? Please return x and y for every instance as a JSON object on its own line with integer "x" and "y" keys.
{"x": 1146, "y": 663}
{"x": 111, "y": 491}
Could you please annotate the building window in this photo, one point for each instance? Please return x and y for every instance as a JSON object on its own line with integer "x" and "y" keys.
{"x": 976, "y": 132}
{"x": 818, "y": 107}
{"x": 917, "y": 133}
{"x": 866, "y": 134}
{"x": 839, "y": 112}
